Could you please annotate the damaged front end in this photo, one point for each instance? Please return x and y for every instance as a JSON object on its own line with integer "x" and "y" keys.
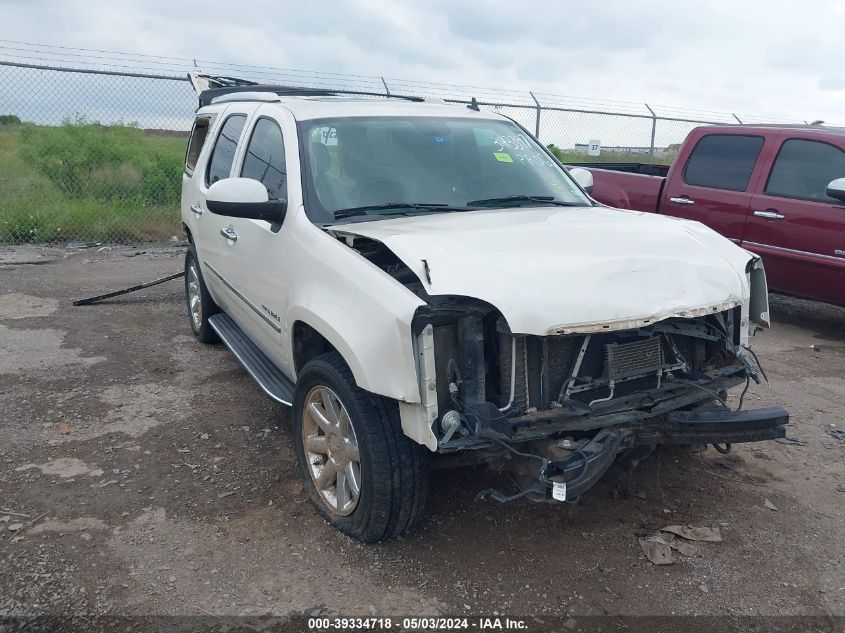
{"x": 556, "y": 411}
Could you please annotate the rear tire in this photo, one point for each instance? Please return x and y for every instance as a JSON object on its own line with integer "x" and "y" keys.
{"x": 200, "y": 304}
{"x": 392, "y": 471}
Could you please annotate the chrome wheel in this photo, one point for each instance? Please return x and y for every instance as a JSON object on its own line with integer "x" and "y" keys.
{"x": 331, "y": 450}
{"x": 194, "y": 296}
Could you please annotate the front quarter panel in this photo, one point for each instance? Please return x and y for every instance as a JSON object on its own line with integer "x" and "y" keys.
{"x": 363, "y": 312}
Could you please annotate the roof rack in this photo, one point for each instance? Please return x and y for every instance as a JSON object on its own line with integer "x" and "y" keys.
{"x": 209, "y": 87}
{"x": 246, "y": 96}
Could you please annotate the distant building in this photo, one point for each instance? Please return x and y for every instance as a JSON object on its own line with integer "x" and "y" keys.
{"x": 584, "y": 149}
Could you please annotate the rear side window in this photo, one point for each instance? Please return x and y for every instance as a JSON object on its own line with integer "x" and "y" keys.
{"x": 195, "y": 144}
{"x": 803, "y": 170}
{"x": 220, "y": 165}
{"x": 265, "y": 159}
{"x": 723, "y": 161}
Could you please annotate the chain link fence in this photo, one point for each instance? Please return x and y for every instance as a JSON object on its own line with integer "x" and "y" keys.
{"x": 96, "y": 155}
{"x": 91, "y": 156}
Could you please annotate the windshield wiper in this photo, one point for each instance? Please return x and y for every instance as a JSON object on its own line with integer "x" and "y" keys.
{"x": 365, "y": 210}
{"x": 537, "y": 199}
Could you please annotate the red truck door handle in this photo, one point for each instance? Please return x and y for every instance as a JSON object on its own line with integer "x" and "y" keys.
{"x": 682, "y": 200}
{"x": 770, "y": 214}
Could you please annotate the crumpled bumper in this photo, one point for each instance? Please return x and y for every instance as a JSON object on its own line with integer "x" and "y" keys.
{"x": 702, "y": 426}
{"x": 718, "y": 426}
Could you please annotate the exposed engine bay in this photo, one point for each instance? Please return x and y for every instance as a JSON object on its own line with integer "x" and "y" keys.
{"x": 556, "y": 411}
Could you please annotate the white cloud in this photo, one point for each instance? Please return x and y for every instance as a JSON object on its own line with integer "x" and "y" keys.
{"x": 758, "y": 57}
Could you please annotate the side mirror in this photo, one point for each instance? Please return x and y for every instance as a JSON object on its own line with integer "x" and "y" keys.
{"x": 836, "y": 189}
{"x": 583, "y": 178}
{"x": 244, "y": 198}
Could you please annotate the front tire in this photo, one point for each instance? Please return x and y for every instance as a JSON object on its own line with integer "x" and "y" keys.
{"x": 360, "y": 470}
{"x": 200, "y": 304}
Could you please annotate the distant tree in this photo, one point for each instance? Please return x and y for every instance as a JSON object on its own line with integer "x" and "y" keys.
{"x": 558, "y": 153}
{"x": 9, "y": 119}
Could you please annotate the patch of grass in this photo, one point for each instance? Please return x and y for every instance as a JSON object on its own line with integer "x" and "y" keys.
{"x": 57, "y": 218}
{"x": 83, "y": 181}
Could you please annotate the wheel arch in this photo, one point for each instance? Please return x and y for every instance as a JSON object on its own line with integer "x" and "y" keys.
{"x": 307, "y": 344}
{"x": 313, "y": 337}
{"x": 380, "y": 364}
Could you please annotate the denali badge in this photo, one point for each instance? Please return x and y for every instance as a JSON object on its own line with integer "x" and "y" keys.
{"x": 271, "y": 313}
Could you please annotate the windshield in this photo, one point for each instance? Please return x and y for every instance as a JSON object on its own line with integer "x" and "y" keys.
{"x": 371, "y": 167}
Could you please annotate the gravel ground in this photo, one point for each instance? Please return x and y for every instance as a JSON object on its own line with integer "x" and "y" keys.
{"x": 144, "y": 473}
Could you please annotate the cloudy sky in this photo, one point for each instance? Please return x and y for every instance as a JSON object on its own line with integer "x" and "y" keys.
{"x": 767, "y": 58}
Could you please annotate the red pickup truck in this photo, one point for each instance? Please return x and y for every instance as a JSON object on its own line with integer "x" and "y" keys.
{"x": 778, "y": 191}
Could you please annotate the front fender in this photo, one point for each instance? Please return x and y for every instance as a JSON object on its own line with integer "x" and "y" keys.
{"x": 381, "y": 361}
{"x": 362, "y": 311}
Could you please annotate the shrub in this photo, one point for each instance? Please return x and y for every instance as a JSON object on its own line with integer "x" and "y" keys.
{"x": 118, "y": 163}
{"x": 9, "y": 119}
{"x": 88, "y": 182}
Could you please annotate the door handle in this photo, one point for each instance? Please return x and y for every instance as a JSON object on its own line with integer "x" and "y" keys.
{"x": 229, "y": 233}
{"x": 682, "y": 200}
{"x": 196, "y": 208}
{"x": 771, "y": 214}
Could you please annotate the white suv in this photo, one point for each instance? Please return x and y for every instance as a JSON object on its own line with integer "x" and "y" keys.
{"x": 425, "y": 281}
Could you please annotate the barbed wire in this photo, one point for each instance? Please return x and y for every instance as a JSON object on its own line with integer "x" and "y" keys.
{"x": 103, "y": 59}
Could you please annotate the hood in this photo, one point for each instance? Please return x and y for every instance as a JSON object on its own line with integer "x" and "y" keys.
{"x": 555, "y": 270}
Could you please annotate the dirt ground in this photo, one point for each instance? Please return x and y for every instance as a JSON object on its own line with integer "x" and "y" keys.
{"x": 144, "y": 473}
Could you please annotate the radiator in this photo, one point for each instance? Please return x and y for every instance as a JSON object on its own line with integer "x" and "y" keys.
{"x": 629, "y": 360}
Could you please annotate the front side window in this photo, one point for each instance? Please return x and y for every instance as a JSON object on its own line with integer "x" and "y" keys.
{"x": 220, "y": 165}
{"x": 371, "y": 166}
{"x": 803, "y": 170}
{"x": 265, "y": 159}
{"x": 723, "y": 161}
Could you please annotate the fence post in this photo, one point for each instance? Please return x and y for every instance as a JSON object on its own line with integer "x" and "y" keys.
{"x": 386, "y": 89}
{"x": 653, "y": 130}
{"x": 537, "y": 117}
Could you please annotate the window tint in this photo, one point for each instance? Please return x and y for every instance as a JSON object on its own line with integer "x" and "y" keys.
{"x": 265, "y": 159}
{"x": 723, "y": 161}
{"x": 803, "y": 169}
{"x": 196, "y": 142}
{"x": 220, "y": 164}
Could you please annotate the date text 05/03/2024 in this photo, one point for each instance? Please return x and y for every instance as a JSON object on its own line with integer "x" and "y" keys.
{"x": 493, "y": 623}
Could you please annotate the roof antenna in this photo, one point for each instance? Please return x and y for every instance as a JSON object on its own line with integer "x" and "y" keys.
{"x": 473, "y": 105}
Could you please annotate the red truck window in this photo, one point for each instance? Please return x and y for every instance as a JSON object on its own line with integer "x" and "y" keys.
{"x": 803, "y": 170}
{"x": 723, "y": 161}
